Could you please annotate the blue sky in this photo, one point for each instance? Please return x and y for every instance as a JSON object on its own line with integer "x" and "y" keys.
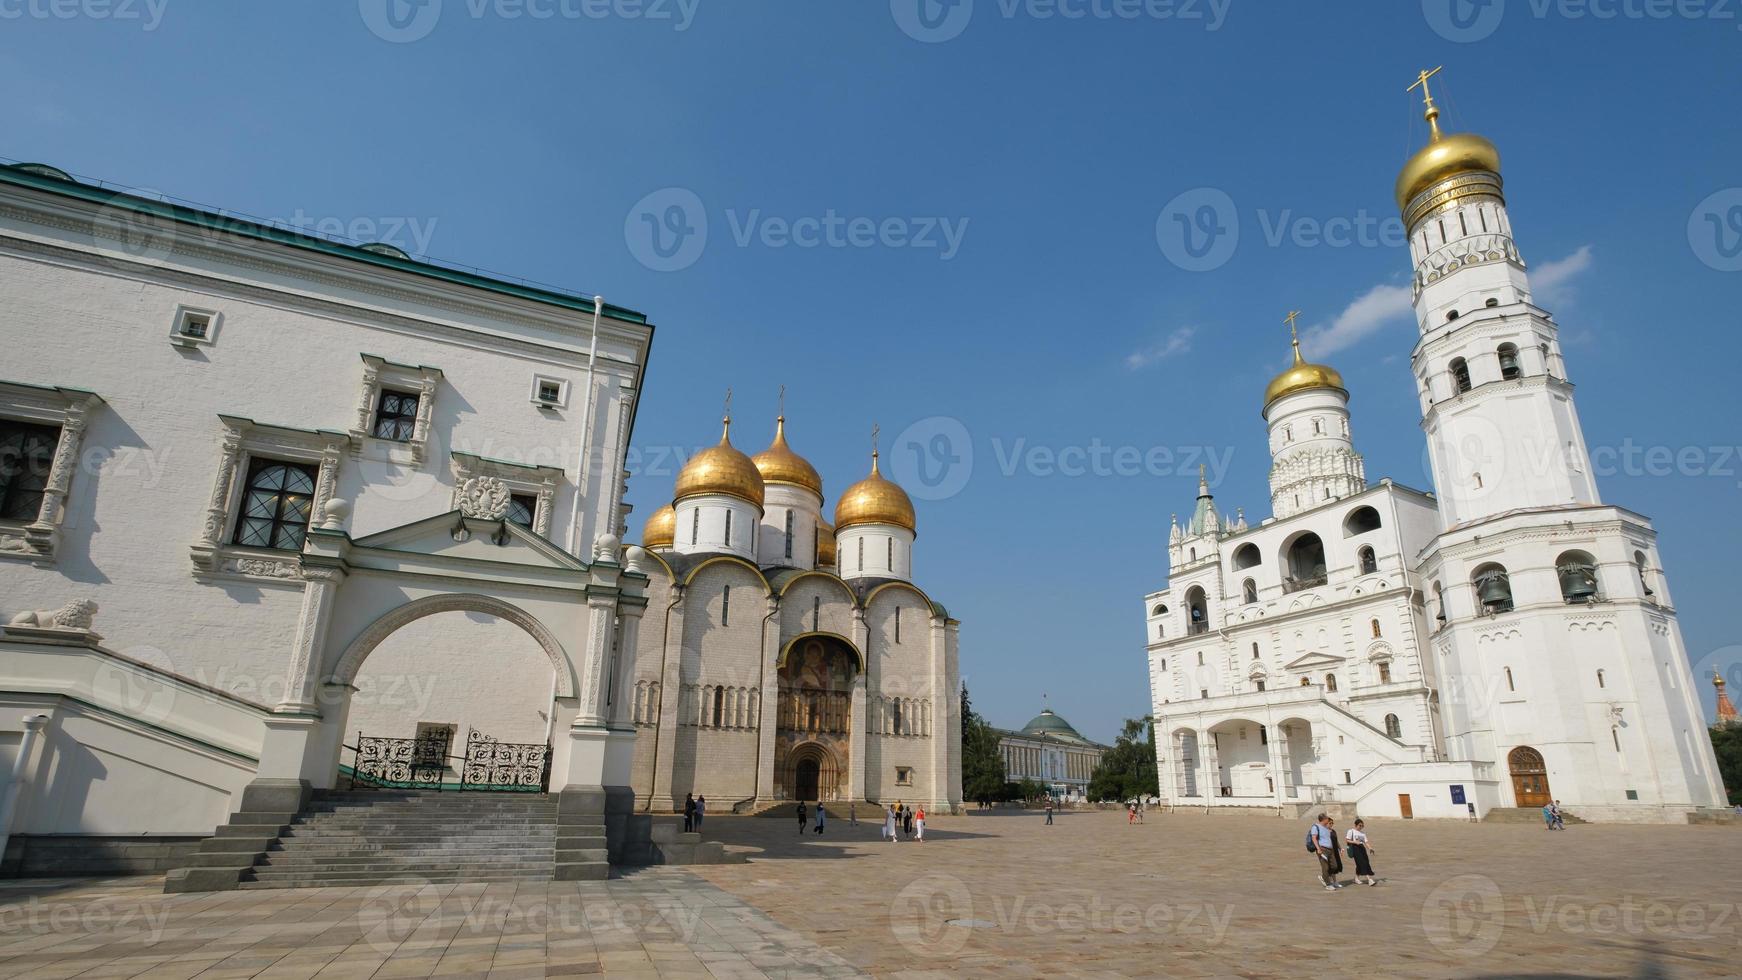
{"x": 948, "y": 225}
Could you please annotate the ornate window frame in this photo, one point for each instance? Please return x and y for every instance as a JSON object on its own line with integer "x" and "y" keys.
{"x": 178, "y": 325}
{"x": 380, "y": 373}
{"x": 539, "y": 482}
{"x": 70, "y": 410}
{"x": 243, "y": 440}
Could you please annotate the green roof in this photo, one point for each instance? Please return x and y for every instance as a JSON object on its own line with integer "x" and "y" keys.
{"x": 1047, "y": 723}
{"x": 36, "y": 176}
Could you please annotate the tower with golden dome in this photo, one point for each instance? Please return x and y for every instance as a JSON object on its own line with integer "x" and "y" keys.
{"x": 788, "y": 657}
{"x": 1504, "y": 641}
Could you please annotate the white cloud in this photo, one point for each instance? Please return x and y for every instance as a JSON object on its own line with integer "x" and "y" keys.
{"x": 1551, "y": 281}
{"x": 1372, "y": 311}
{"x": 1177, "y": 342}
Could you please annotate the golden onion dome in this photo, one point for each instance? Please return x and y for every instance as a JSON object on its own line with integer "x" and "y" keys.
{"x": 1302, "y": 375}
{"x": 779, "y": 464}
{"x": 660, "y": 531}
{"x": 874, "y": 500}
{"x": 1444, "y": 156}
{"x": 826, "y": 544}
{"x": 720, "y": 469}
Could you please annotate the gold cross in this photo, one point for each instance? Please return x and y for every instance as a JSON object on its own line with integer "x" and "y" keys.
{"x": 783, "y": 401}
{"x": 1433, "y": 113}
{"x": 875, "y": 429}
{"x": 728, "y": 404}
{"x": 1290, "y": 321}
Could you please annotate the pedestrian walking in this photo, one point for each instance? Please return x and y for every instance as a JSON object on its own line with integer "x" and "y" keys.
{"x": 1361, "y": 852}
{"x": 701, "y": 811}
{"x": 689, "y": 812}
{"x": 1130, "y": 814}
{"x": 907, "y": 821}
{"x": 889, "y": 822}
{"x": 1049, "y": 812}
{"x": 1548, "y": 816}
{"x": 801, "y": 818}
{"x": 919, "y": 825}
{"x": 1560, "y": 817}
{"x": 1321, "y": 843}
{"x": 820, "y": 814}
{"x": 853, "y": 813}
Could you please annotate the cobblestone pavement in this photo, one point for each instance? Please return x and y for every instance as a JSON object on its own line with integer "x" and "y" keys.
{"x": 1002, "y": 894}
{"x": 1193, "y": 895}
{"x": 655, "y": 923}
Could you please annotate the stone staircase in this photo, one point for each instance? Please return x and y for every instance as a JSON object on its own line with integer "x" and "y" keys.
{"x": 1518, "y": 814}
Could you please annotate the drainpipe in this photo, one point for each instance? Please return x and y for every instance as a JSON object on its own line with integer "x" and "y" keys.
{"x": 582, "y": 483}
{"x": 33, "y": 726}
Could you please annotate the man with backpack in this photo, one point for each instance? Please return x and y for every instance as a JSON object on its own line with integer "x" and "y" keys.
{"x": 1321, "y": 842}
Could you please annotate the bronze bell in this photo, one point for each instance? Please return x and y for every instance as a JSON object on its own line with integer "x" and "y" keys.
{"x": 1578, "y": 582}
{"x": 1493, "y": 589}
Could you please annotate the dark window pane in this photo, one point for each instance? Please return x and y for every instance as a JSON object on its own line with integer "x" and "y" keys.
{"x": 521, "y": 508}
{"x": 278, "y": 500}
{"x": 26, "y": 456}
{"x": 395, "y": 416}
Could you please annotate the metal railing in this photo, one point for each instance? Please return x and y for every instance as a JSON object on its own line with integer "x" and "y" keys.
{"x": 425, "y": 763}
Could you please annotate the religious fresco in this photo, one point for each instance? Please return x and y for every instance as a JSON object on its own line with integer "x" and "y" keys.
{"x": 814, "y": 721}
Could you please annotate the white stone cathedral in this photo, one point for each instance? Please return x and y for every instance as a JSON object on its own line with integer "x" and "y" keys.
{"x": 1504, "y": 642}
{"x": 787, "y": 658}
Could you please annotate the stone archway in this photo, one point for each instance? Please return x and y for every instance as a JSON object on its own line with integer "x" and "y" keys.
{"x": 1529, "y": 777}
{"x": 345, "y": 670}
{"x": 813, "y": 729}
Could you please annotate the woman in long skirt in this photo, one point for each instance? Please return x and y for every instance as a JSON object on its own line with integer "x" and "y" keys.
{"x": 1360, "y": 852}
{"x": 889, "y": 823}
{"x": 919, "y": 825}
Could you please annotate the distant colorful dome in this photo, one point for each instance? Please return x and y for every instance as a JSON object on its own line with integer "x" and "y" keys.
{"x": 660, "y": 531}
{"x": 825, "y": 544}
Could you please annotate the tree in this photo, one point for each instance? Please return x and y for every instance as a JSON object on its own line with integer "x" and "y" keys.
{"x": 982, "y": 765}
{"x": 1727, "y": 743}
{"x": 1127, "y": 770}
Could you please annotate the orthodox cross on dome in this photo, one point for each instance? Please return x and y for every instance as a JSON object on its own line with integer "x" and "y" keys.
{"x": 1433, "y": 112}
{"x": 782, "y": 415}
{"x": 875, "y": 431}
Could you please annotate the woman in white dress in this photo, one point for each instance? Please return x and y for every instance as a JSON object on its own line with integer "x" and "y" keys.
{"x": 889, "y": 823}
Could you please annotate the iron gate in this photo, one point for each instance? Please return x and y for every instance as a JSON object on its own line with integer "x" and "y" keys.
{"x": 424, "y": 763}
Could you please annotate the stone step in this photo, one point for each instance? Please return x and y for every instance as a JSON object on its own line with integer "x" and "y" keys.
{"x": 264, "y": 871}
{"x": 314, "y": 881}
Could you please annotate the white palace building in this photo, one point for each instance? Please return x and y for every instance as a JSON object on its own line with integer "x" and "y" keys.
{"x": 280, "y": 515}
{"x": 1506, "y": 641}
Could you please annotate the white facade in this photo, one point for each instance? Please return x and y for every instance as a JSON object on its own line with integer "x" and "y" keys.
{"x": 1506, "y": 641}
{"x": 428, "y": 431}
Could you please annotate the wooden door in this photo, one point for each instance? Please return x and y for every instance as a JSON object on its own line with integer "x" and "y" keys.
{"x": 1529, "y": 777}
{"x": 1404, "y": 807}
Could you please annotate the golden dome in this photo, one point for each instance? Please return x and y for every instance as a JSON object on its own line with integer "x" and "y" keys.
{"x": 1443, "y": 157}
{"x": 825, "y": 544}
{"x": 660, "y": 531}
{"x": 720, "y": 469}
{"x": 1302, "y": 376}
{"x": 874, "y": 500}
{"x": 779, "y": 464}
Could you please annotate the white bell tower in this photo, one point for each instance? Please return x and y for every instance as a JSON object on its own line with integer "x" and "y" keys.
{"x": 1496, "y": 403}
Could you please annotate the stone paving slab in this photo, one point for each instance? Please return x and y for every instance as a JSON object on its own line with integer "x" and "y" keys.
{"x": 658, "y": 923}
{"x": 1001, "y": 894}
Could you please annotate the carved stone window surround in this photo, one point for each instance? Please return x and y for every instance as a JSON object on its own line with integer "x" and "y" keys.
{"x": 68, "y": 409}
{"x": 243, "y": 440}
{"x": 521, "y": 478}
{"x": 380, "y": 374}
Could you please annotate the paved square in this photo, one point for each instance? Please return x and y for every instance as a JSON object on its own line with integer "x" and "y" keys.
{"x": 1193, "y": 895}
{"x": 999, "y": 894}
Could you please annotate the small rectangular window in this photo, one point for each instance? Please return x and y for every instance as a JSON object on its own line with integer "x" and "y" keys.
{"x": 195, "y": 325}
{"x": 521, "y": 508}
{"x": 903, "y": 775}
{"x": 550, "y": 391}
{"x": 395, "y": 415}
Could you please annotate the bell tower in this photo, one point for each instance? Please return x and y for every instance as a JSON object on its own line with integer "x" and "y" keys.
{"x": 1496, "y": 403}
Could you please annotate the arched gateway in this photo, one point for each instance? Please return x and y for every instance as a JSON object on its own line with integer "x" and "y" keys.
{"x": 812, "y": 740}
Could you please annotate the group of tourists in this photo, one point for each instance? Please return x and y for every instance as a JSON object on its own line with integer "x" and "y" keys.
{"x": 902, "y": 819}
{"x": 1322, "y": 842}
{"x": 694, "y": 808}
{"x": 822, "y": 817}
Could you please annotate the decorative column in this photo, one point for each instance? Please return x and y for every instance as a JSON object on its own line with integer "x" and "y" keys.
{"x": 42, "y": 535}
{"x": 856, "y": 735}
{"x": 768, "y": 716}
{"x": 945, "y": 707}
{"x": 670, "y": 696}
{"x": 320, "y": 588}
{"x": 1212, "y": 766}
